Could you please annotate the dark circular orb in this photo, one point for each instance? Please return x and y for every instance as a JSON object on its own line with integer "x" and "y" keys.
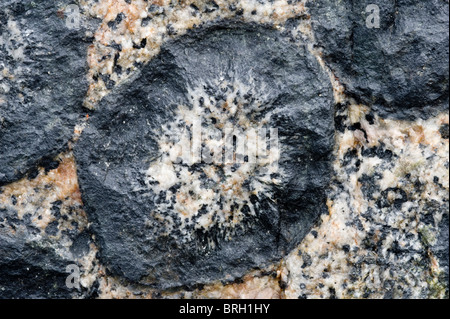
{"x": 43, "y": 65}
{"x": 163, "y": 221}
{"x": 401, "y": 68}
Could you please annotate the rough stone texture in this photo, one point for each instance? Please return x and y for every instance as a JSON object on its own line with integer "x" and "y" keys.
{"x": 43, "y": 229}
{"x": 388, "y": 214}
{"x": 384, "y": 235}
{"x": 42, "y": 83}
{"x": 400, "y": 69}
{"x": 31, "y": 272}
{"x": 250, "y": 68}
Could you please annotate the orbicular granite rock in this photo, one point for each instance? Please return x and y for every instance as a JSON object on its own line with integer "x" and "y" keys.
{"x": 214, "y": 160}
{"x": 399, "y": 66}
{"x": 42, "y": 82}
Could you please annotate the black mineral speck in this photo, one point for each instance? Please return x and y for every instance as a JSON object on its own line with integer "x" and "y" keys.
{"x": 145, "y": 21}
{"x": 52, "y": 228}
{"x": 80, "y": 245}
{"x": 114, "y": 23}
{"x": 444, "y": 131}
{"x": 56, "y": 208}
{"x": 339, "y": 122}
{"x": 33, "y": 173}
{"x": 370, "y": 118}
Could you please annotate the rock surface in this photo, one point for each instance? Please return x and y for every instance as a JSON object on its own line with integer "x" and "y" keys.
{"x": 400, "y": 68}
{"x": 31, "y": 271}
{"x": 42, "y": 83}
{"x": 245, "y": 76}
{"x": 384, "y": 230}
{"x": 43, "y": 230}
